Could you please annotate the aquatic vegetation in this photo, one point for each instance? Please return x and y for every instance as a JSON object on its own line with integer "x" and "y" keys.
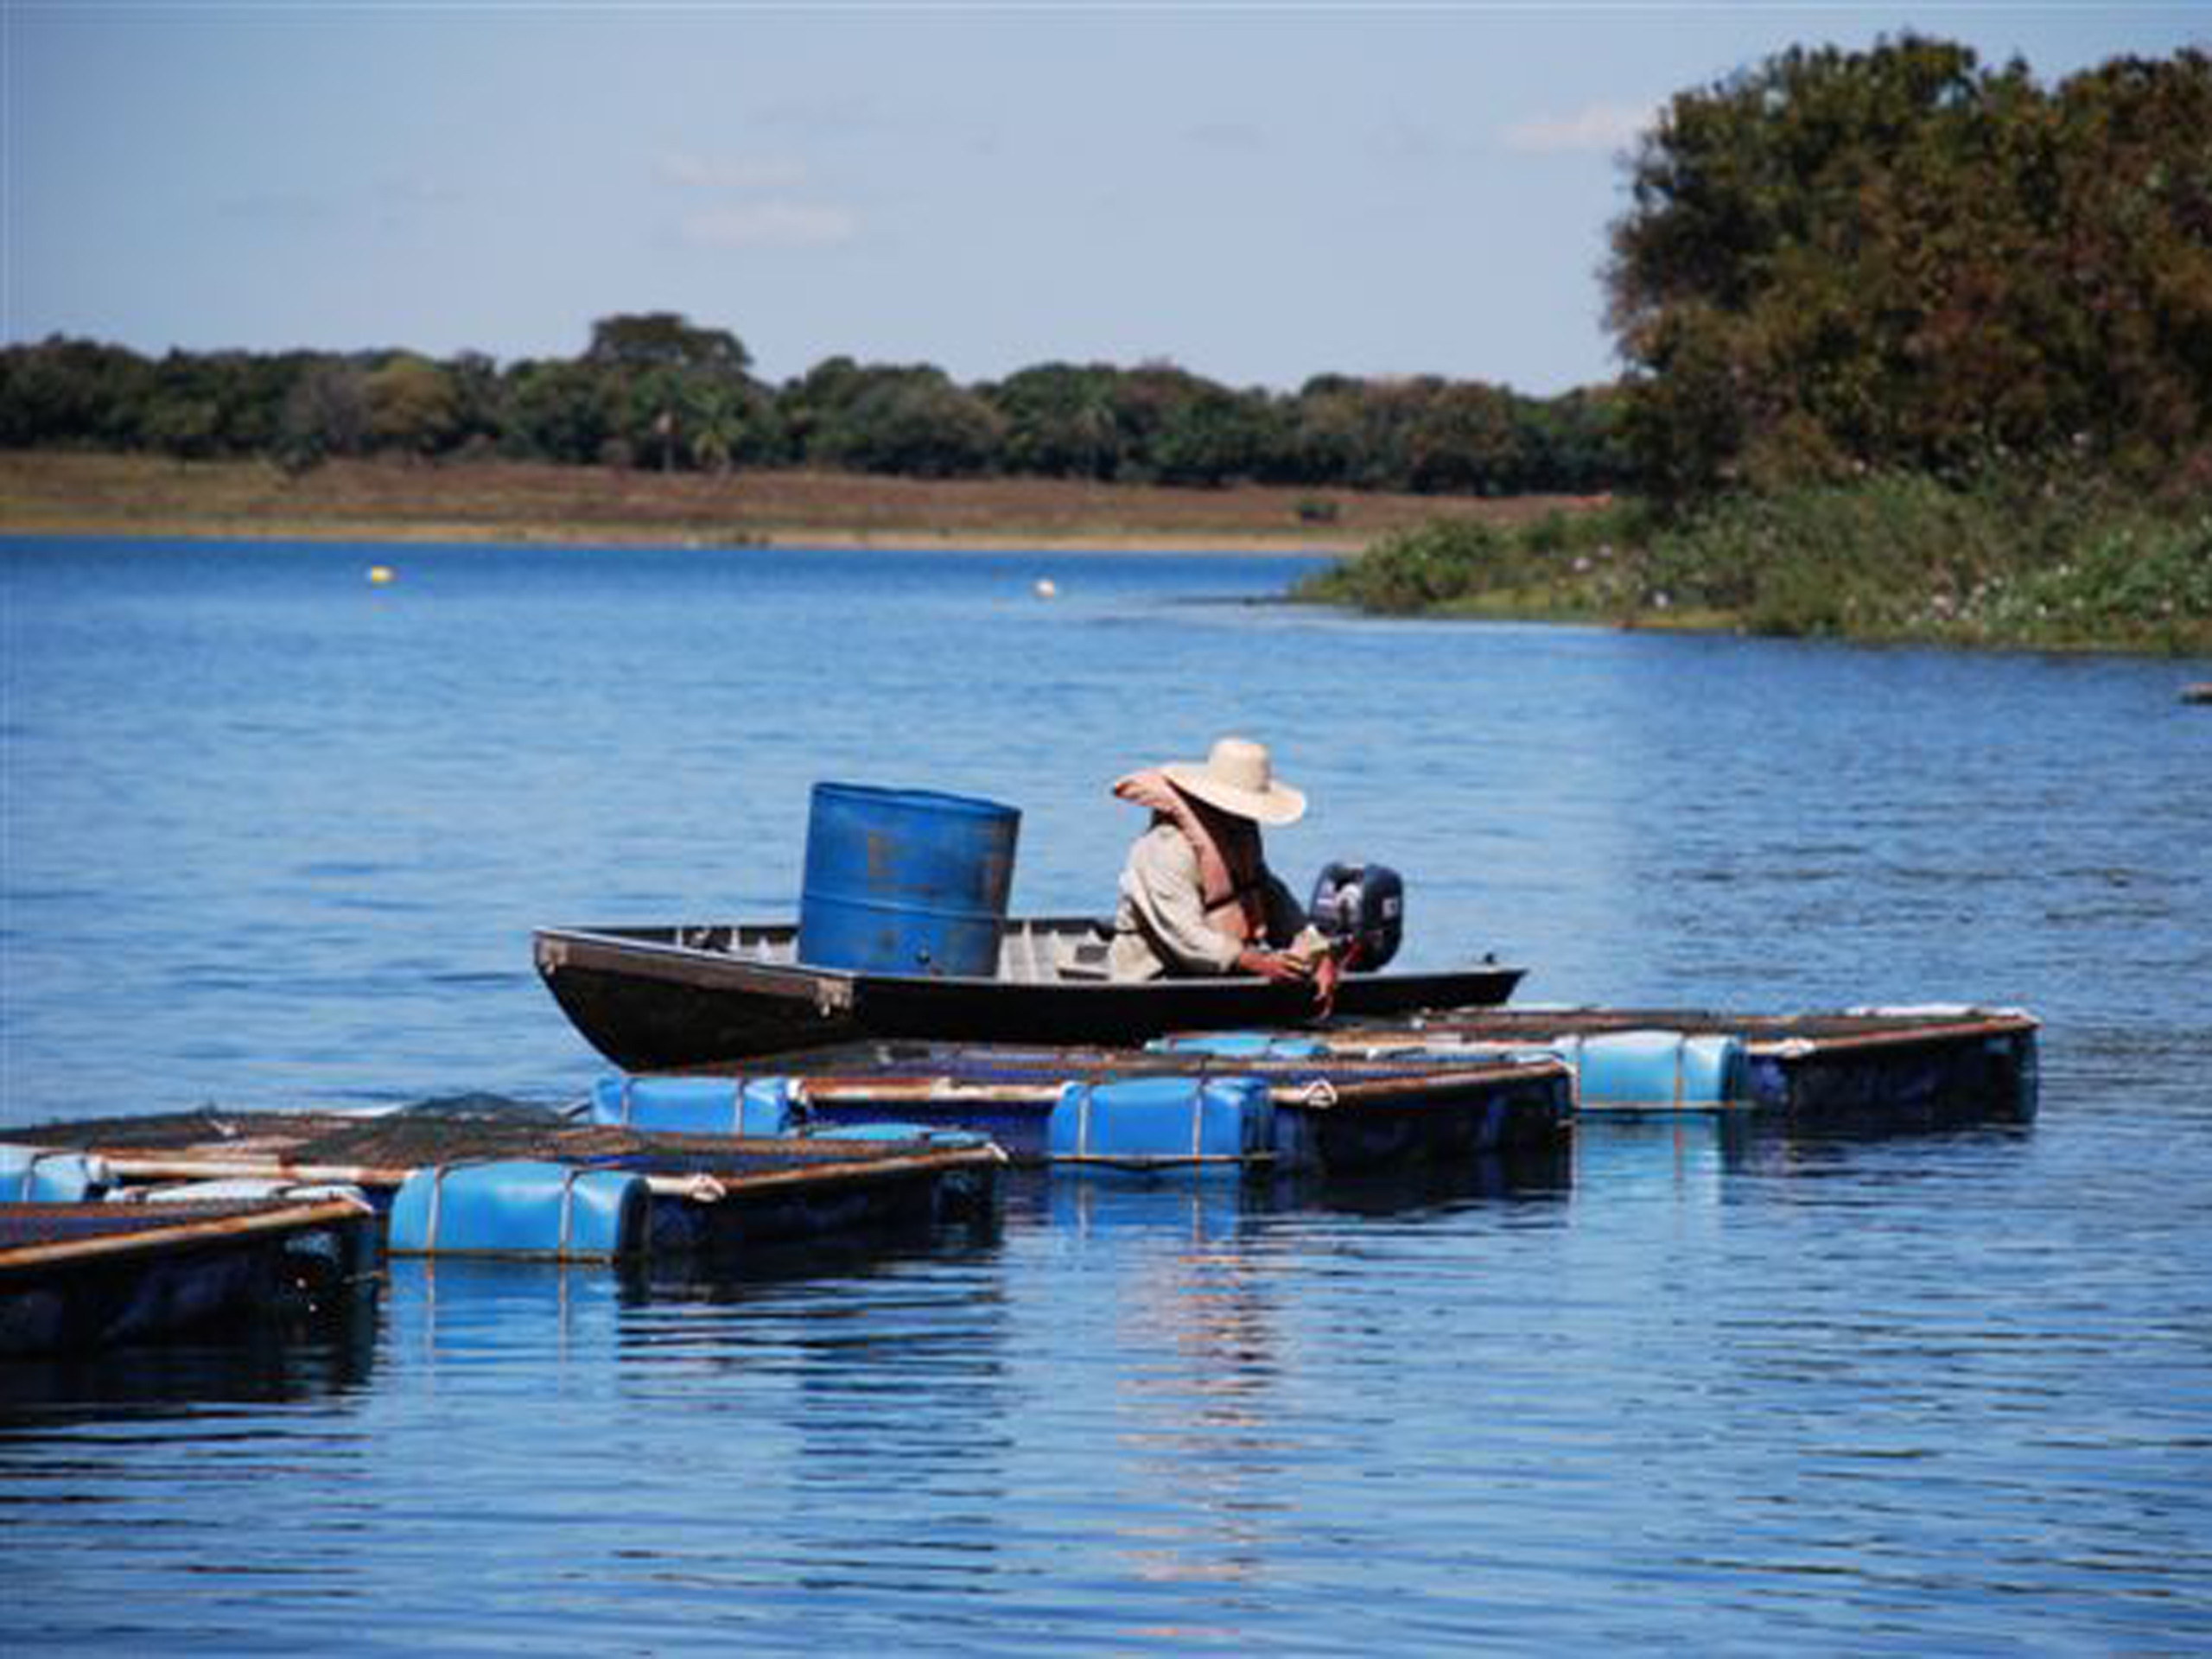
{"x": 2006, "y": 561}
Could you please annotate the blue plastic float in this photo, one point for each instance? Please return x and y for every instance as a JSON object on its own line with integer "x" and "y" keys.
{"x": 1655, "y": 1070}
{"x": 924, "y": 1134}
{"x": 1617, "y": 1070}
{"x": 747, "y": 1106}
{"x": 1629, "y": 1072}
{"x": 1153, "y": 1122}
{"x": 545, "y": 1211}
{"x": 770, "y": 1107}
{"x": 1242, "y": 1045}
{"x": 43, "y": 1175}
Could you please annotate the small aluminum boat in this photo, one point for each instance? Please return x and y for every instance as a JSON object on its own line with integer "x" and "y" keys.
{"x": 654, "y": 999}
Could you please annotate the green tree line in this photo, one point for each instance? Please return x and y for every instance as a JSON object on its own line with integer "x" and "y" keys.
{"x": 656, "y": 391}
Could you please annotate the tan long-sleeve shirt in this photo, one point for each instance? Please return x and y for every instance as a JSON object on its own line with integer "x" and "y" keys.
{"x": 1159, "y": 924}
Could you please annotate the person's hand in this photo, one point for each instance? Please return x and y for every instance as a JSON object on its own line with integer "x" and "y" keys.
{"x": 1327, "y": 972}
{"x": 1273, "y": 964}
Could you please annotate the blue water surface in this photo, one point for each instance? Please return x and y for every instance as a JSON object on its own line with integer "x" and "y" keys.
{"x": 272, "y": 835}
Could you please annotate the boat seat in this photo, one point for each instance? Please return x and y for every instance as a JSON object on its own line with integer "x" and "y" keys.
{"x": 1083, "y": 958}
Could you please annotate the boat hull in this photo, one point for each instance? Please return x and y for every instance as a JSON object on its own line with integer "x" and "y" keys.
{"x": 650, "y": 1001}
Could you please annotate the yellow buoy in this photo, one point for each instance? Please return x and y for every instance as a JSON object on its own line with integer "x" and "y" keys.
{"x": 380, "y": 575}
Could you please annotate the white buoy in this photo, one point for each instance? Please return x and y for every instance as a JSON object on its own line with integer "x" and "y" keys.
{"x": 1046, "y": 587}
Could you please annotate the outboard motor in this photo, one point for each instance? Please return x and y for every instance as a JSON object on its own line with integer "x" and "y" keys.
{"x": 1362, "y": 905}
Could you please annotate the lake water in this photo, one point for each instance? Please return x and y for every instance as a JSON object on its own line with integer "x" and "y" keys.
{"x": 275, "y": 836}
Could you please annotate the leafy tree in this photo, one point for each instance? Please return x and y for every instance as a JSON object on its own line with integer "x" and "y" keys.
{"x": 325, "y": 414}
{"x": 65, "y": 391}
{"x": 809, "y": 405}
{"x": 1572, "y": 442}
{"x": 1180, "y": 428}
{"x": 727, "y": 427}
{"x": 479, "y": 399}
{"x": 908, "y": 420}
{"x": 1838, "y": 261}
{"x": 412, "y": 406}
{"x": 184, "y": 412}
{"x": 1060, "y": 421}
{"x": 658, "y": 368}
{"x": 667, "y": 339}
{"x": 559, "y": 410}
{"x": 1324, "y": 438}
{"x": 1214, "y": 435}
{"x": 2131, "y": 157}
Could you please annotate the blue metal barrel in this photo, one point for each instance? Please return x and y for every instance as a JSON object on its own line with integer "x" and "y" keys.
{"x": 906, "y": 880}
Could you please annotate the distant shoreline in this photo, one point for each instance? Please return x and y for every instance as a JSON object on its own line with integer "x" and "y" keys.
{"x": 524, "y": 503}
{"x": 526, "y": 535}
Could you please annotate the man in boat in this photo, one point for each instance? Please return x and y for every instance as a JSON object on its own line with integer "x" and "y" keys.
{"x": 1197, "y": 896}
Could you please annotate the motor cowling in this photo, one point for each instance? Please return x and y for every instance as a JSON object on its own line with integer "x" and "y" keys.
{"x": 1361, "y": 907}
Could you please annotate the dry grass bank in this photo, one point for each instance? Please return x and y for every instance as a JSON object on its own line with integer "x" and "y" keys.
{"x": 523, "y": 501}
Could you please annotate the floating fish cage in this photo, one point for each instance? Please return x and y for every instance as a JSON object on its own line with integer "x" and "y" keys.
{"x": 1135, "y": 1109}
{"x": 1377, "y": 1096}
{"x": 485, "y": 1184}
{"x": 1917, "y": 1064}
{"x": 86, "y": 1275}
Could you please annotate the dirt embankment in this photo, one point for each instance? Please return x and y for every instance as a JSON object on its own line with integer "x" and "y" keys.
{"x": 524, "y": 501}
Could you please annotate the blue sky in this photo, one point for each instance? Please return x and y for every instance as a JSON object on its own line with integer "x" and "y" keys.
{"x": 1257, "y": 192}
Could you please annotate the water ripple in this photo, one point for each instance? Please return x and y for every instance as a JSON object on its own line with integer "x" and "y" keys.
{"x": 1888, "y": 1393}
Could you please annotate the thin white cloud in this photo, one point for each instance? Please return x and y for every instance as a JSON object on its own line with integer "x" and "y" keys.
{"x": 770, "y": 224}
{"x": 748, "y": 202}
{"x": 695, "y": 172}
{"x": 279, "y": 208}
{"x": 1603, "y": 128}
{"x": 1228, "y": 136}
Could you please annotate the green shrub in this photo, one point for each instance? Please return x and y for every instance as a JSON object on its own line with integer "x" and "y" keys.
{"x": 1416, "y": 570}
{"x": 2016, "y": 558}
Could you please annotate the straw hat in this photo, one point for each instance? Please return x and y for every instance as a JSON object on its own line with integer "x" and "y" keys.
{"x": 1238, "y": 778}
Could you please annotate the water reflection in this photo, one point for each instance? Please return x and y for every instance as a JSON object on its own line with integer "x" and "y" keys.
{"x": 804, "y": 1384}
{"x": 462, "y": 1313}
{"x": 1531, "y": 1174}
{"x": 114, "y": 1465}
{"x": 1192, "y": 1209}
{"x": 1190, "y": 1312}
{"x": 1863, "y": 1151}
{"x": 256, "y": 1365}
{"x": 1692, "y": 1157}
{"x": 1199, "y": 1202}
{"x": 731, "y": 1275}
{"x": 908, "y": 1372}
{"x": 1683, "y": 1158}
